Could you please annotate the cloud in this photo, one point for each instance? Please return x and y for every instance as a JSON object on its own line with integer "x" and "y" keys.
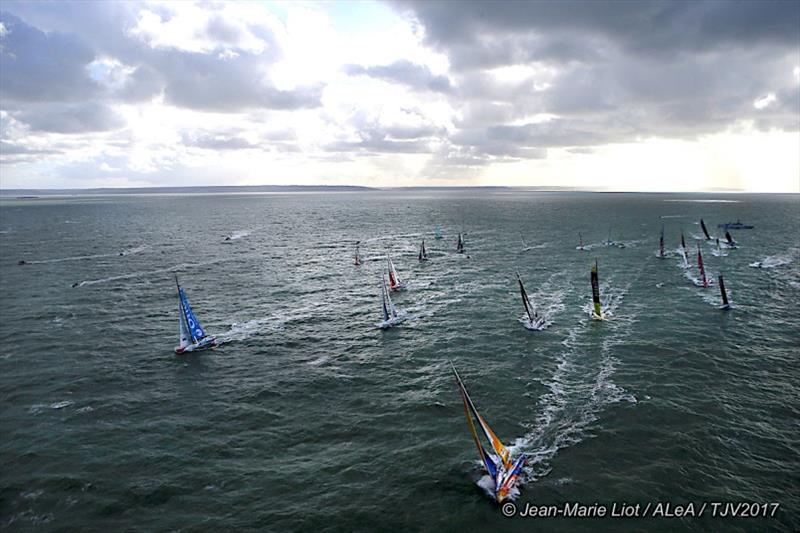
{"x": 70, "y": 118}
{"x": 611, "y": 71}
{"x": 38, "y": 66}
{"x": 404, "y": 72}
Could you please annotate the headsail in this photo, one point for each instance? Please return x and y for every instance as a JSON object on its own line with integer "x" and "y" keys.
{"x": 700, "y": 266}
{"x": 724, "y": 293}
{"x": 596, "y": 291}
{"x": 705, "y": 231}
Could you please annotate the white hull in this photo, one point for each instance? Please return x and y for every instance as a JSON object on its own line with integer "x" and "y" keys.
{"x": 386, "y": 324}
{"x": 539, "y": 324}
{"x": 204, "y": 344}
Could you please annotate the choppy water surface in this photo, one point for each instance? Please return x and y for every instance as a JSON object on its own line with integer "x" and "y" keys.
{"x": 308, "y": 418}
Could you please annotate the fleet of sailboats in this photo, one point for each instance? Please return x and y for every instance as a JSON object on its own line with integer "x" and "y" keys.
{"x": 501, "y": 469}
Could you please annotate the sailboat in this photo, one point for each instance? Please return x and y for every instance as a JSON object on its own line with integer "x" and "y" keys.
{"x": 395, "y": 283}
{"x": 731, "y": 243}
{"x": 525, "y": 247}
{"x": 503, "y": 472}
{"x": 608, "y": 241}
{"x": 192, "y": 335}
{"x": 683, "y": 253}
{"x": 534, "y": 321}
{"x": 704, "y": 281}
{"x": 725, "y": 304}
{"x": 580, "y": 242}
{"x": 437, "y": 234}
{"x": 661, "y": 244}
{"x": 705, "y": 231}
{"x": 423, "y": 255}
{"x": 460, "y": 244}
{"x": 597, "y": 311}
{"x": 357, "y": 257}
{"x": 718, "y": 252}
{"x": 389, "y": 313}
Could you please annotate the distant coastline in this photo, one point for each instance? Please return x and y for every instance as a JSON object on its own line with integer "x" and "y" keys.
{"x": 255, "y": 189}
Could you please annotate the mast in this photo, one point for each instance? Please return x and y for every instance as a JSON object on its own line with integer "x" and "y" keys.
{"x": 596, "y": 291}
{"x": 357, "y": 258}
{"x": 580, "y": 238}
{"x": 700, "y": 266}
{"x": 724, "y": 293}
{"x": 705, "y": 231}
{"x": 661, "y": 243}
{"x": 460, "y": 245}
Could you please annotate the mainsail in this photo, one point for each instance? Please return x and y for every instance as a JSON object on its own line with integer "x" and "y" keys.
{"x": 191, "y": 330}
{"x": 460, "y": 244}
{"x": 580, "y": 239}
{"x": 387, "y": 307}
{"x": 700, "y": 266}
{"x": 705, "y": 231}
{"x": 394, "y": 280}
{"x": 596, "y": 291}
{"x": 531, "y": 312}
{"x": 498, "y": 447}
{"x": 724, "y": 293}
{"x": 357, "y": 257}
{"x": 730, "y": 240}
{"x": 683, "y": 250}
{"x": 661, "y": 243}
{"x": 423, "y": 255}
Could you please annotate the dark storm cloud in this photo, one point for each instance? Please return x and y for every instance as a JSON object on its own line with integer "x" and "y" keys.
{"x": 49, "y": 64}
{"x": 40, "y": 67}
{"x": 404, "y": 72}
{"x": 612, "y": 71}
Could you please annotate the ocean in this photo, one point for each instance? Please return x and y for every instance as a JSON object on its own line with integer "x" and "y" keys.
{"x": 308, "y": 418}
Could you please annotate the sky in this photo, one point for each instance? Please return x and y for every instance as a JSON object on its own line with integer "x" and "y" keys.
{"x": 621, "y": 95}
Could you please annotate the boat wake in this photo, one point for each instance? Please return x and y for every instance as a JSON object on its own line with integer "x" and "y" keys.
{"x": 236, "y": 235}
{"x": 241, "y": 331}
{"x": 130, "y": 251}
{"x": 146, "y": 273}
{"x": 777, "y": 260}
